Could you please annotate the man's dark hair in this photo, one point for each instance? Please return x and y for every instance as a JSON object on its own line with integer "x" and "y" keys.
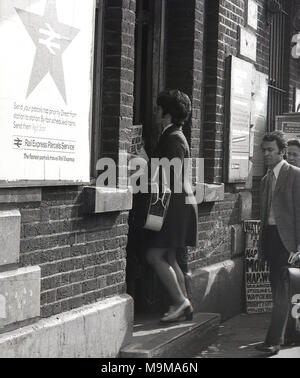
{"x": 294, "y": 142}
{"x": 278, "y": 137}
{"x": 175, "y": 103}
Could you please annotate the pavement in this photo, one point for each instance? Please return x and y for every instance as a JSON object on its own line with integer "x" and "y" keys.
{"x": 238, "y": 336}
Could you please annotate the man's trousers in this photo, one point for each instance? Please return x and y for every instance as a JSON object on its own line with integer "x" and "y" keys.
{"x": 277, "y": 257}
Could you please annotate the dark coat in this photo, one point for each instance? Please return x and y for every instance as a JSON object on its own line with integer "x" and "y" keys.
{"x": 180, "y": 226}
{"x": 286, "y": 205}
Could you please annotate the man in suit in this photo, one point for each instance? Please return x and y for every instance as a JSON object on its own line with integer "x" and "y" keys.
{"x": 280, "y": 216}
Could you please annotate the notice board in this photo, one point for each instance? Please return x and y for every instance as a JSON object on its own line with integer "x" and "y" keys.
{"x": 289, "y": 124}
{"x": 46, "y": 90}
{"x": 238, "y": 107}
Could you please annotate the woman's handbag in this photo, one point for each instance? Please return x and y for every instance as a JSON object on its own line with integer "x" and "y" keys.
{"x": 150, "y": 209}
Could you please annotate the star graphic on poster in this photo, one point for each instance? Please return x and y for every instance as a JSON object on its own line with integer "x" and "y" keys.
{"x": 51, "y": 39}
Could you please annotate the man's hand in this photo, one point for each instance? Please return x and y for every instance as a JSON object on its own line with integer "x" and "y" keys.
{"x": 294, "y": 258}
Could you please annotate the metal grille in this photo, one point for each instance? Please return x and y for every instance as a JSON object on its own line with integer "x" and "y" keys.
{"x": 278, "y": 64}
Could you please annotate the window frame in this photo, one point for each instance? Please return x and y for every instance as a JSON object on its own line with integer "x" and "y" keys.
{"x": 97, "y": 102}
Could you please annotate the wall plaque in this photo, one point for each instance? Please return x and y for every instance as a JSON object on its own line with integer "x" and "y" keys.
{"x": 248, "y": 44}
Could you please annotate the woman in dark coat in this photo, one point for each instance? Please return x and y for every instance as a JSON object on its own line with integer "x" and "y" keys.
{"x": 180, "y": 226}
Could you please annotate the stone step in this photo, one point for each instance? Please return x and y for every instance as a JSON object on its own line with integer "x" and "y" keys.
{"x": 93, "y": 331}
{"x": 176, "y": 340}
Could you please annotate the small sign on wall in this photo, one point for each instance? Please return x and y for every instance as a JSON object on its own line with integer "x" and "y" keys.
{"x": 248, "y": 44}
{"x": 290, "y": 125}
{"x": 258, "y": 288}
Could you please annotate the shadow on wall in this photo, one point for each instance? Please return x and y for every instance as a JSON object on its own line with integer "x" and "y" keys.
{"x": 218, "y": 288}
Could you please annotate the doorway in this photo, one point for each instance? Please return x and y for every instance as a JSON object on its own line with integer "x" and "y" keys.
{"x": 150, "y": 62}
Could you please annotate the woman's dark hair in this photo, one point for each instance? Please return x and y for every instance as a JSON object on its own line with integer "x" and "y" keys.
{"x": 175, "y": 103}
{"x": 278, "y": 137}
{"x": 294, "y": 142}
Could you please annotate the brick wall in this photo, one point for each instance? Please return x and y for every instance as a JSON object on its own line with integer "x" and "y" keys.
{"x": 263, "y": 40}
{"x": 223, "y": 20}
{"x": 215, "y": 221}
{"x": 184, "y": 68}
{"x": 226, "y": 17}
{"x": 255, "y": 198}
{"x": 82, "y": 257}
{"x": 118, "y": 76}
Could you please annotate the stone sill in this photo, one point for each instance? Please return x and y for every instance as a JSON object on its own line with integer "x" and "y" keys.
{"x": 20, "y": 195}
{"x": 211, "y": 192}
{"x": 103, "y": 199}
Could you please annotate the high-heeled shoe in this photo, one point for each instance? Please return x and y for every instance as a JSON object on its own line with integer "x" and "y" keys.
{"x": 184, "y": 310}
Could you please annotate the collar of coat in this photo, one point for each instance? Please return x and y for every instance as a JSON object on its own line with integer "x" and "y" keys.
{"x": 169, "y": 129}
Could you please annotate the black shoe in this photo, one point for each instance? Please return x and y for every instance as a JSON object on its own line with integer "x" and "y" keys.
{"x": 271, "y": 350}
{"x": 184, "y": 310}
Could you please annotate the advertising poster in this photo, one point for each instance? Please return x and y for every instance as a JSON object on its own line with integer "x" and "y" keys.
{"x": 258, "y": 288}
{"x": 46, "y": 87}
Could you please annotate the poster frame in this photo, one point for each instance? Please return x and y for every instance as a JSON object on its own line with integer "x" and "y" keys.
{"x": 242, "y": 32}
{"x": 48, "y": 183}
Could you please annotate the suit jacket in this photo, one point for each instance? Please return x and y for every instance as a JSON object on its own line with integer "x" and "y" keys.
{"x": 286, "y": 205}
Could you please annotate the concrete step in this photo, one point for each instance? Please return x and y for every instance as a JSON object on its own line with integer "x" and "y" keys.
{"x": 176, "y": 340}
{"x": 19, "y": 296}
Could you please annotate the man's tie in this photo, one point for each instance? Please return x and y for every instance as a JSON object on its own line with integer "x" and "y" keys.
{"x": 270, "y": 191}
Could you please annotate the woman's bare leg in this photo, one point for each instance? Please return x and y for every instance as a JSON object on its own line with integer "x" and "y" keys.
{"x": 172, "y": 260}
{"x": 156, "y": 257}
